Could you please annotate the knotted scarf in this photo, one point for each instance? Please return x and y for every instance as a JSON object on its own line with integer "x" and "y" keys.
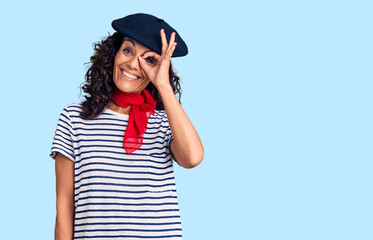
{"x": 142, "y": 106}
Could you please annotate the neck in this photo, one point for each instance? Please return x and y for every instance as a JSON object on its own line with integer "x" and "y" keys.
{"x": 112, "y": 106}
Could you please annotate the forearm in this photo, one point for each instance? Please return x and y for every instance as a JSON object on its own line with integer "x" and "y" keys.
{"x": 188, "y": 145}
{"x": 64, "y": 229}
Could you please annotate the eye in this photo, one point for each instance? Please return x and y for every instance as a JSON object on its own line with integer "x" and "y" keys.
{"x": 127, "y": 50}
{"x": 150, "y": 60}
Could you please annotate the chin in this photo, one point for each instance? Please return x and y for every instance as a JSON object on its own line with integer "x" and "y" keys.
{"x": 129, "y": 87}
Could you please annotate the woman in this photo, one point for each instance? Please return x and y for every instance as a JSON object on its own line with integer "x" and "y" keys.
{"x": 114, "y": 151}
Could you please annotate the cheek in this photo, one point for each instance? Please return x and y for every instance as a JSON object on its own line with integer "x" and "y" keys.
{"x": 115, "y": 74}
{"x": 143, "y": 85}
{"x": 116, "y": 70}
{"x": 144, "y": 74}
{"x": 145, "y": 82}
{"x": 116, "y": 59}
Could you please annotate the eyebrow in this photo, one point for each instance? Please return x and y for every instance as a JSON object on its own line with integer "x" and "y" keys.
{"x": 133, "y": 43}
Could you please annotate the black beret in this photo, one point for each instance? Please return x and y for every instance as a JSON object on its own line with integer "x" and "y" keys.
{"x": 145, "y": 28}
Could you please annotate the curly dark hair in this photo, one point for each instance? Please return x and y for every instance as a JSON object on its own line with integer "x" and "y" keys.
{"x": 99, "y": 78}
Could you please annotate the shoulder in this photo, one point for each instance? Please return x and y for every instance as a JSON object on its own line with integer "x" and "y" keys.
{"x": 160, "y": 115}
{"x": 73, "y": 107}
{"x": 159, "y": 119}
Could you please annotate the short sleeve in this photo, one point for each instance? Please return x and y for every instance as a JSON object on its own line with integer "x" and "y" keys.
{"x": 170, "y": 138}
{"x": 63, "y": 137}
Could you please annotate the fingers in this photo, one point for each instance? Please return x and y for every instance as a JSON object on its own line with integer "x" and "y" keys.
{"x": 168, "y": 49}
{"x": 172, "y": 40}
{"x": 151, "y": 54}
{"x": 171, "y": 50}
{"x": 150, "y": 58}
{"x": 164, "y": 41}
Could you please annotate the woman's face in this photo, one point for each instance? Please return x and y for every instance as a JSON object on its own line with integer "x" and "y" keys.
{"x": 128, "y": 75}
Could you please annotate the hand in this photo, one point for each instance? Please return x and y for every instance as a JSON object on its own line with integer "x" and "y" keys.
{"x": 158, "y": 73}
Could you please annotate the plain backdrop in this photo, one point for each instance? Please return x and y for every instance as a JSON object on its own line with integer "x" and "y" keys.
{"x": 280, "y": 93}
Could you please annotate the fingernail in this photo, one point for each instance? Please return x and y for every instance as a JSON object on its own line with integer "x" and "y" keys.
{"x": 163, "y": 30}
{"x": 142, "y": 55}
{"x": 175, "y": 44}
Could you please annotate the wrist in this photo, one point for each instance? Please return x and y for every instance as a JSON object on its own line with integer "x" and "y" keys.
{"x": 164, "y": 88}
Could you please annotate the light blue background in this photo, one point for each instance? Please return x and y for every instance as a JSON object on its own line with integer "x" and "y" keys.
{"x": 280, "y": 93}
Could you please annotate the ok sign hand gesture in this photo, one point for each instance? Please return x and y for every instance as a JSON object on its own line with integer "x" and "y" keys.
{"x": 158, "y": 73}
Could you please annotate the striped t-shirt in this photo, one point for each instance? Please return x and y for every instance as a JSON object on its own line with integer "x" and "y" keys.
{"x": 119, "y": 196}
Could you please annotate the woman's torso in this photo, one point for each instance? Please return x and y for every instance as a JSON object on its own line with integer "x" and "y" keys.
{"x": 120, "y": 195}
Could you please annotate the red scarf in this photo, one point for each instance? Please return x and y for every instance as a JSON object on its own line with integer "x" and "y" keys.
{"x": 142, "y": 106}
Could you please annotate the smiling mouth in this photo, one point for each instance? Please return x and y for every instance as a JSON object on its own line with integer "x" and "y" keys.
{"x": 129, "y": 75}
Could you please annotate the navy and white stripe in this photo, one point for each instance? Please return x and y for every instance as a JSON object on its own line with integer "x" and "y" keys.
{"x": 119, "y": 196}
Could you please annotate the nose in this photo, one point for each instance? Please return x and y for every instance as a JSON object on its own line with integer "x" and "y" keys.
{"x": 134, "y": 63}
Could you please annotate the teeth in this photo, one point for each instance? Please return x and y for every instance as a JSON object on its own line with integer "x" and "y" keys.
{"x": 129, "y": 75}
